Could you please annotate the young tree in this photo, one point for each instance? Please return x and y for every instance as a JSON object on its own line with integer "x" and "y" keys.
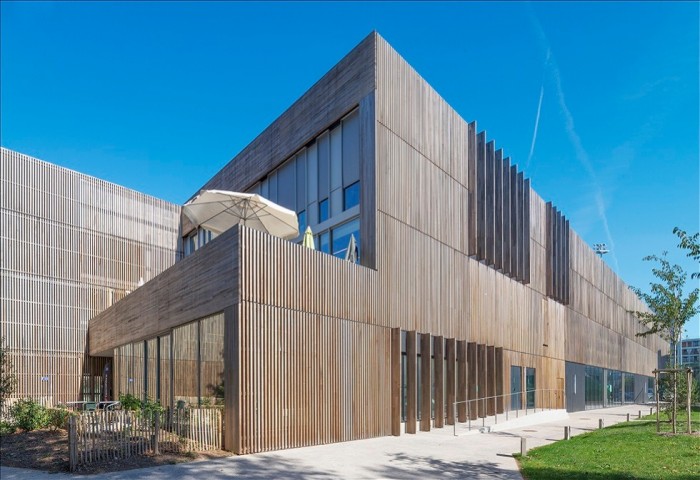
{"x": 8, "y": 379}
{"x": 690, "y": 243}
{"x": 669, "y": 308}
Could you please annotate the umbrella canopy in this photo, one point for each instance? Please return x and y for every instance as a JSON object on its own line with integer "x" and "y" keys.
{"x": 351, "y": 252}
{"x": 219, "y": 210}
{"x": 308, "y": 241}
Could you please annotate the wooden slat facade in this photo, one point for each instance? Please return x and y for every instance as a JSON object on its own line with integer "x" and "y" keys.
{"x": 72, "y": 245}
{"x": 311, "y": 341}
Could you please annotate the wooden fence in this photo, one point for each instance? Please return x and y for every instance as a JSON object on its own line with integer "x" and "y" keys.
{"x": 106, "y": 435}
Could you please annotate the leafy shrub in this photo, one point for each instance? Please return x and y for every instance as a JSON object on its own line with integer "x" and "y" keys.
{"x": 7, "y": 428}
{"x": 129, "y": 401}
{"x": 147, "y": 407}
{"x": 58, "y": 418}
{"x": 151, "y": 407}
{"x": 29, "y": 414}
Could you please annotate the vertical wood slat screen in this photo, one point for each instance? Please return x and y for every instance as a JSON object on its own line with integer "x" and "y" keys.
{"x": 499, "y": 212}
{"x": 313, "y": 368}
{"x": 72, "y": 245}
{"x": 558, "y": 257}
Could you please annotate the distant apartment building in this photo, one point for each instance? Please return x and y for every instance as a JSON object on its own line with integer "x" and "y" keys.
{"x": 690, "y": 354}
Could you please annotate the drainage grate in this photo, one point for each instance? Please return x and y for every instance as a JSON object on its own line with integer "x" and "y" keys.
{"x": 529, "y": 430}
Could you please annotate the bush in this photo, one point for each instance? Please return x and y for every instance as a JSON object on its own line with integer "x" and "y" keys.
{"x": 6, "y": 428}
{"x": 147, "y": 407}
{"x": 129, "y": 401}
{"x": 58, "y": 418}
{"x": 29, "y": 414}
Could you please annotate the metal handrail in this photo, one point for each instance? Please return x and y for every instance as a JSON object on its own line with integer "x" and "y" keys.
{"x": 506, "y": 406}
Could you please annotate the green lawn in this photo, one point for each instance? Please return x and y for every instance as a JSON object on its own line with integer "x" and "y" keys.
{"x": 624, "y": 451}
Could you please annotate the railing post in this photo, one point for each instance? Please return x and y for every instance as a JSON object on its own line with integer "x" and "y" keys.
{"x": 469, "y": 414}
{"x": 454, "y": 424}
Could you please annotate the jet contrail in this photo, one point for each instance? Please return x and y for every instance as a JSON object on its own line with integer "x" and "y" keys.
{"x": 537, "y": 123}
{"x": 581, "y": 154}
{"x": 539, "y": 111}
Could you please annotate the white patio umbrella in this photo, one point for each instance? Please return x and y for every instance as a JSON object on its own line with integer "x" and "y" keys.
{"x": 219, "y": 210}
{"x": 351, "y": 252}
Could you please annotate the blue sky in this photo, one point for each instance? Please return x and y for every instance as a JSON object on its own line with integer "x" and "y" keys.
{"x": 159, "y": 96}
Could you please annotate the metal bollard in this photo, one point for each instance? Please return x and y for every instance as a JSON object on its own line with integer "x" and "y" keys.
{"x": 628, "y": 417}
{"x": 600, "y": 423}
{"x": 523, "y": 446}
{"x": 640, "y": 414}
{"x": 567, "y": 433}
{"x": 651, "y": 411}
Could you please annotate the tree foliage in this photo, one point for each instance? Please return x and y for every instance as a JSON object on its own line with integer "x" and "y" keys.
{"x": 669, "y": 308}
{"x": 8, "y": 379}
{"x": 690, "y": 243}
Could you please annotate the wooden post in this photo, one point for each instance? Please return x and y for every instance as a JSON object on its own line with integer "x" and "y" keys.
{"x": 425, "y": 383}
{"x": 567, "y": 433}
{"x": 396, "y": 381}
{"x": 656, "y": 391}
{"x": 411, "y": 414}
{"x": 439, "y": 382}
{"x": 72, "y": 444}
{"x": 601, "y": 424}
{"x": 675, "y": 400}
{"x": 156, "y": 433}
{"x": 451, "y": 359}
{"x": 499, "y": 380}
{"x": 490, "y": 380}
{"x": 689, "y": 376}
{"x": 462, "y": 380}
{"x": 472, "y": 379}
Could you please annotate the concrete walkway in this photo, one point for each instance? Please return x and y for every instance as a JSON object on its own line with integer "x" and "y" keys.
{"x": 435, "y": 454}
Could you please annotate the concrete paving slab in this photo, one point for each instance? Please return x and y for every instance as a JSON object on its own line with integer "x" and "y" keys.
{"x": 435, "y": 454}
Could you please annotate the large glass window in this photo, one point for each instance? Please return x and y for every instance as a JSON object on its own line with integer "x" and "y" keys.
{"x": 302, "y": 221}
{"x": 351, "y": 196}
{"x": 516, "y": 387}
{"x": 530, "y": 386}
{"x": 185, "y": 378}
{"x": 324, "y": 242}
{"x": 629, "y": 388}
{"x": 211, "y": 341}
{"x": 341, "y": 238}
{"x": 323, "y": 210}
{"x": 594, "y": 387}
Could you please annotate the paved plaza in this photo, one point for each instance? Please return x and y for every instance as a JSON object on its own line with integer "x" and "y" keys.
{"x": 435, "y": 454}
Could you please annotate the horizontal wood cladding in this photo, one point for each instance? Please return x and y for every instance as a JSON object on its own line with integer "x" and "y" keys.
{"x": 201, "y": 284}
{"x": 71, "y": 245}
{"x": 334, "y": 95}
{"x": 308, "y": 379}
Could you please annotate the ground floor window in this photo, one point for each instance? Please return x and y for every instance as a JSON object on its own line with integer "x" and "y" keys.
{"x": 184, "y": 367}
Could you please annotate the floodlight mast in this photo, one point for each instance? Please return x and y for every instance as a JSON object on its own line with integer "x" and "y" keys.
{"x": 601, "y": 249}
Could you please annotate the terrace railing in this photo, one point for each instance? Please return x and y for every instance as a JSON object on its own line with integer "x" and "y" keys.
{"x": 507, "y": 406}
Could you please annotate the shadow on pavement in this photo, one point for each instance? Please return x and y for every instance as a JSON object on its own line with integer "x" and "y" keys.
{"x": 401, "y": 465}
